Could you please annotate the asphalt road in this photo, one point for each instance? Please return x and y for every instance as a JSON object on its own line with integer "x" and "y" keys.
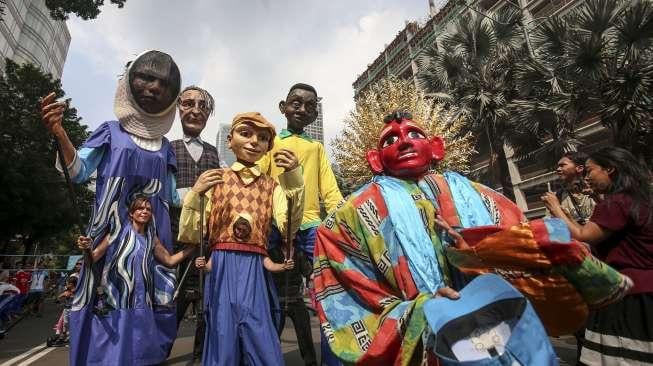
{"x": 25, "y": 345}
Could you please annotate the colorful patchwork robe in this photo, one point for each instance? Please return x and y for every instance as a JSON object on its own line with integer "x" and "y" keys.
{"x": 372, "y": 274}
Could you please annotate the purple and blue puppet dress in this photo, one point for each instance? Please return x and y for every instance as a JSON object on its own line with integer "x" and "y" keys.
{"x": 141, "y": 326}
{"x": 123, "y": 311}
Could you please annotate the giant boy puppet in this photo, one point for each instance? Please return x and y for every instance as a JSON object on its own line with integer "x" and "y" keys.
{"x": 408, "y": 237}
{"x": 135, "y": 324}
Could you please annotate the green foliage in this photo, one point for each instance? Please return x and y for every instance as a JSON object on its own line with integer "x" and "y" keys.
{"x": 599, "y": 61}
{"x": 472, "y": 71}
{"x": 85, "y": 9}
{"x": 35, "y": 205}
{"x": 593, "y": 62}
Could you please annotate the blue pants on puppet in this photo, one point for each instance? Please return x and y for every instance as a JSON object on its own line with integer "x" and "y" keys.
{"x": 240, "y": 302}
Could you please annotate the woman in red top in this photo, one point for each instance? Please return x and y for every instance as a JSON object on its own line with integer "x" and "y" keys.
{"x": 621, "y": 232}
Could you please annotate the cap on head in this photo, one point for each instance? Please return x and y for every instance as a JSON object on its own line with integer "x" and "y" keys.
{"x": 256, "y": 119}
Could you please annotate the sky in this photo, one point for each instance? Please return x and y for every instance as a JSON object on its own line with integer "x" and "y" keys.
{"x": 246, "y": 53}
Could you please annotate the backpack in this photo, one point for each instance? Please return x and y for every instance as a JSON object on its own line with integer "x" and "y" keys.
{"x": 490, "y": 324}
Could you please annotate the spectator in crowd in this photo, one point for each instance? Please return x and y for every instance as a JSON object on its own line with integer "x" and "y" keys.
{"x": 76, "y": 269}
{"x": 37, "y": 287}
{"x": 62, "y": 327}
{"x": 8, "y": 293}
{"x": 23, "y": 279}
{"x": 573, "y": 195}
{"x": 575, "y": 198}
{"x": 621, "y": 231}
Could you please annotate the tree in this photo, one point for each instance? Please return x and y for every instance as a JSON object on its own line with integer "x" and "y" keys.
{"x": 34, "y": 202}
{"x": 345, "y": 186}
{"x": 85, "y": 9}
{"x": 472, "y": 71}
{"x": 360, "y": 132}
{"x": 602, "y": 57}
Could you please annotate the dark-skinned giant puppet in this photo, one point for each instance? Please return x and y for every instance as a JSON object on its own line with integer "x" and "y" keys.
{"x": 131, "y": 158}
{"x": 390, "y": 260}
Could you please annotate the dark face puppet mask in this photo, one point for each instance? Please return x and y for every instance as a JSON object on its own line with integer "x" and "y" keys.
{"x": 154, "y": 81}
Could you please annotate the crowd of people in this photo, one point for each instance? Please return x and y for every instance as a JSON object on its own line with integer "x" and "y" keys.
{"x": 24, "y": 288}
{"x": 400, "y": 272}
{"x": 614, "y": 215}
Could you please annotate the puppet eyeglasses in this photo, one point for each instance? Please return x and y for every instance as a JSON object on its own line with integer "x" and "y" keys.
{"x": 191, "y": 103}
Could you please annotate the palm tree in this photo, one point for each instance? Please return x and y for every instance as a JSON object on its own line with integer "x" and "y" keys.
{"x": 601, "y": 61}
{"x": 472, "y": 71}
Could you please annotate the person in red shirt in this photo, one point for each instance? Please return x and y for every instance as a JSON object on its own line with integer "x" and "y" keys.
{"x": 621, "y": 232}
{"x": 23, "y": 280}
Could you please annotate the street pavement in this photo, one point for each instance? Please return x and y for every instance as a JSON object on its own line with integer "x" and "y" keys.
{"x": 25, "y": 345}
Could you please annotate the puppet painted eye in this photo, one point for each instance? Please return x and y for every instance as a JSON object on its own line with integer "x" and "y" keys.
{"x": 264, "y": 136}
{"x": 390, "y": 140}
{"x": 416, "y": 135}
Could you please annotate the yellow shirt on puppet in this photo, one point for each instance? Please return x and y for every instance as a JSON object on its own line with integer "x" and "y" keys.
{"x": 319, "y": 180}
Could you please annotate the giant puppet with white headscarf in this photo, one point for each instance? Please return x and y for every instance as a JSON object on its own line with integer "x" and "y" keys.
{"x": 131, "y": 157}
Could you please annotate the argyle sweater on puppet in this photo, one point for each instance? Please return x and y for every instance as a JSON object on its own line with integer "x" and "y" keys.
{"x": 380, "y": 256}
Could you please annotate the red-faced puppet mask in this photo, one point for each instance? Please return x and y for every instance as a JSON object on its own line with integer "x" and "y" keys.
{"x": 403, "y": 149}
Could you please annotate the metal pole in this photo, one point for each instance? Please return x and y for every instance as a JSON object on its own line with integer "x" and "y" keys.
{"x": 201, "y": 249}
{"x": 36, "y": 258}
{"x": 288, "y": 255}
{"x": 200, "y": 317}
{"x": 181, "y": 281}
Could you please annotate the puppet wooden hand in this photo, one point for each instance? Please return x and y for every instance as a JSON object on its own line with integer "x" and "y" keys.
{"x": 286, "y": 159}
{"x": 447, "y": 292}
{"x": 52, "y": 113}
{"x": 288, "y": 264}
{"x": 200, "y": 263}
{"x": 207, "y": 180}
{"x": 459, "y": 241}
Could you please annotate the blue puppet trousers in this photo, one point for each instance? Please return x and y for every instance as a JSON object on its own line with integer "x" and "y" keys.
{"x": 240, "y": 304}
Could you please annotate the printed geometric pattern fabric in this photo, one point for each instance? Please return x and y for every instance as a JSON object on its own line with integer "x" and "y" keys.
{"x": 241, "y": 214}
{"x": 539, "y": 258}
{"x": 368, "y": 305}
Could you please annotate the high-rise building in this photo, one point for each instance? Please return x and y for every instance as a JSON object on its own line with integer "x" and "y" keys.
{"x": 222, "y": 144}
{"x": 29, "y": 35}
{"x": 529, "y": 178}
{"x": 399, "y": 57}
{"x": 316, "y": 129}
